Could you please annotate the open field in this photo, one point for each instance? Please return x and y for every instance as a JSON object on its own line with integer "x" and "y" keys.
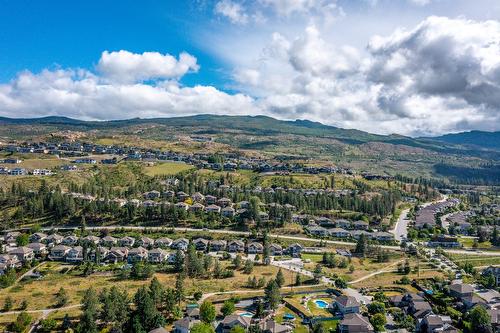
{"x": 167, "y": 168}
{"x": 389, "y": 279}
{"x": 475, "y": 260}
{"x": 40, "y": 293}
{"x": 362, "y": 267}
{"x": 469, "y": 242}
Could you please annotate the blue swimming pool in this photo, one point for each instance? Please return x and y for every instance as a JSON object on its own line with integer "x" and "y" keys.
{"x": 247, "y": 314}
{"x": 321, "y": 304}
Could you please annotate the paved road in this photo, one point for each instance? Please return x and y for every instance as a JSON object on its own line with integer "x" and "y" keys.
{"x": 400, "y": 230}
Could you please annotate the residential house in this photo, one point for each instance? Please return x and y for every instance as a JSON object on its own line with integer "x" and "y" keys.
{"x": 218, "y": 245}
{"x": 59, "y": 252}
{"x": 99, "y": 254}
{"x": 181, "y": 196}
{"x": 117, "y": 254}
{"x": 172, "y": 257}
{"x": 180, "y": 244}
{"x": 233, "y": 320}
{"x": 235, "y": 246}
{"x": 137, "y": 254}
{"x": 263, "y": 216}
{"x": 37, "y": 237}
{"x": 360, "y": 225}
{"x": 91, "y": 239}
{"x": 325, "y": 222}
{"x": 493, "y": 270}
{"x": 244, "y": 204}
{"x": 200, "y": 244}
{"x": 224, "y": 202}
{"x": 228, "y": 211}
{"x": 23, "y": 253}
{"x": 461, "y": 290}
{"x": 255, "y": 247}
{"x": 470, "y": 301}
{"x": 157, "y": 255}
{"x": 126, "y": 241}
{"x": 433, "y": 323}
{"x": 184, "y": 325}
{"x": 53, "y": 239}
{"x": 10, "y": 261}
{"x": 151, "y": 195}
{"x": 70, "y": 240}
{"x": 182, "y": 206}
{"x": 339, "y": 233}
{"x": 346, "y": 304}
{"x": 495, "y": 318}
{"x": 343, "y": 223}
{"x": 198, "y": 197}
{"x": 356, "y": 234}
{"x": 295, "y": 250}
{"x": 39, "y": 249}
{"x": 210, "y": 199}
{"x": 197, "y": 207}
{"x": 75, "y": 254}
{"x": 275, "y": 249}
{"x": 270, "y": 326}
{"x": 212, "y": 209}
{"x": 109, "y": 241}
{"x": 355, "y": 323}
{"x": 146, "y": 242}
{"x": 383, "y": 236}
{"x": 193, "y": 312}
{"x": 318, "y": 231}
{"x": 163, "y": 242}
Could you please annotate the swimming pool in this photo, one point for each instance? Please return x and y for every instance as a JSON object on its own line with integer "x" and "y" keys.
{"x": 247, "y": 314}
{"x": 321, "y": 304}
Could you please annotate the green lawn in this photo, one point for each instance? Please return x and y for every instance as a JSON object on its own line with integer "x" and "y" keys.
{"x": 167, "y": 168}
{"x": 468, "y": 242}
{"x": 314, "y": 257}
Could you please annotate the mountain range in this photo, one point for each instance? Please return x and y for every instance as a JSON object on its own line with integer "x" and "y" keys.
{"x": 475, "y": 153}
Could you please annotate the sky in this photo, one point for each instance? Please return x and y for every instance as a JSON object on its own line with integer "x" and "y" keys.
{"x": 411, "y": 67}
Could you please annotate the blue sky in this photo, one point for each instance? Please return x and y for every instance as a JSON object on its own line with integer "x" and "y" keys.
{"x": 39, "y": 34}
{"x": 413, "y": 67}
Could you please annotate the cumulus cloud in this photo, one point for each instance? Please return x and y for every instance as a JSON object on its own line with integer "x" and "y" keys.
{"x": 420, "y": 2}
{"x": 124, "y": 66}
{"x": 232, "y": 10}
{"x": 87, "y": 95}
{"x": 441, "y": 76}
{"x": 242, "y": 12}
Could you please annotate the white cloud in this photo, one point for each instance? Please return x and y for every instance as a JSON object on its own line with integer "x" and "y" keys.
{"x": 124, "y": 66}
{"x": 232, "y": 10}
{"x": 420, "y": 2}
{"x": 441, "y": 76}
{"x": 85, "y": 95}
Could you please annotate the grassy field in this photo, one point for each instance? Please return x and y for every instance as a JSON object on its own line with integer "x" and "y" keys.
{"x": 40, "y": 293}
{"x": 362, "y": 267}
{"x": 476, "y": 260}
{"x": 389, "y": 279}
{"x": 469, "y": 242}
{"x": 167, "y": 168}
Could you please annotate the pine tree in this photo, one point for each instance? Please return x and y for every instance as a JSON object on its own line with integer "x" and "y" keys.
{"x": 90, "y": 307}
{"x": 207, "y": 312}
{"x": 280, "y": 279}
{"x": 272, "y": 295}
